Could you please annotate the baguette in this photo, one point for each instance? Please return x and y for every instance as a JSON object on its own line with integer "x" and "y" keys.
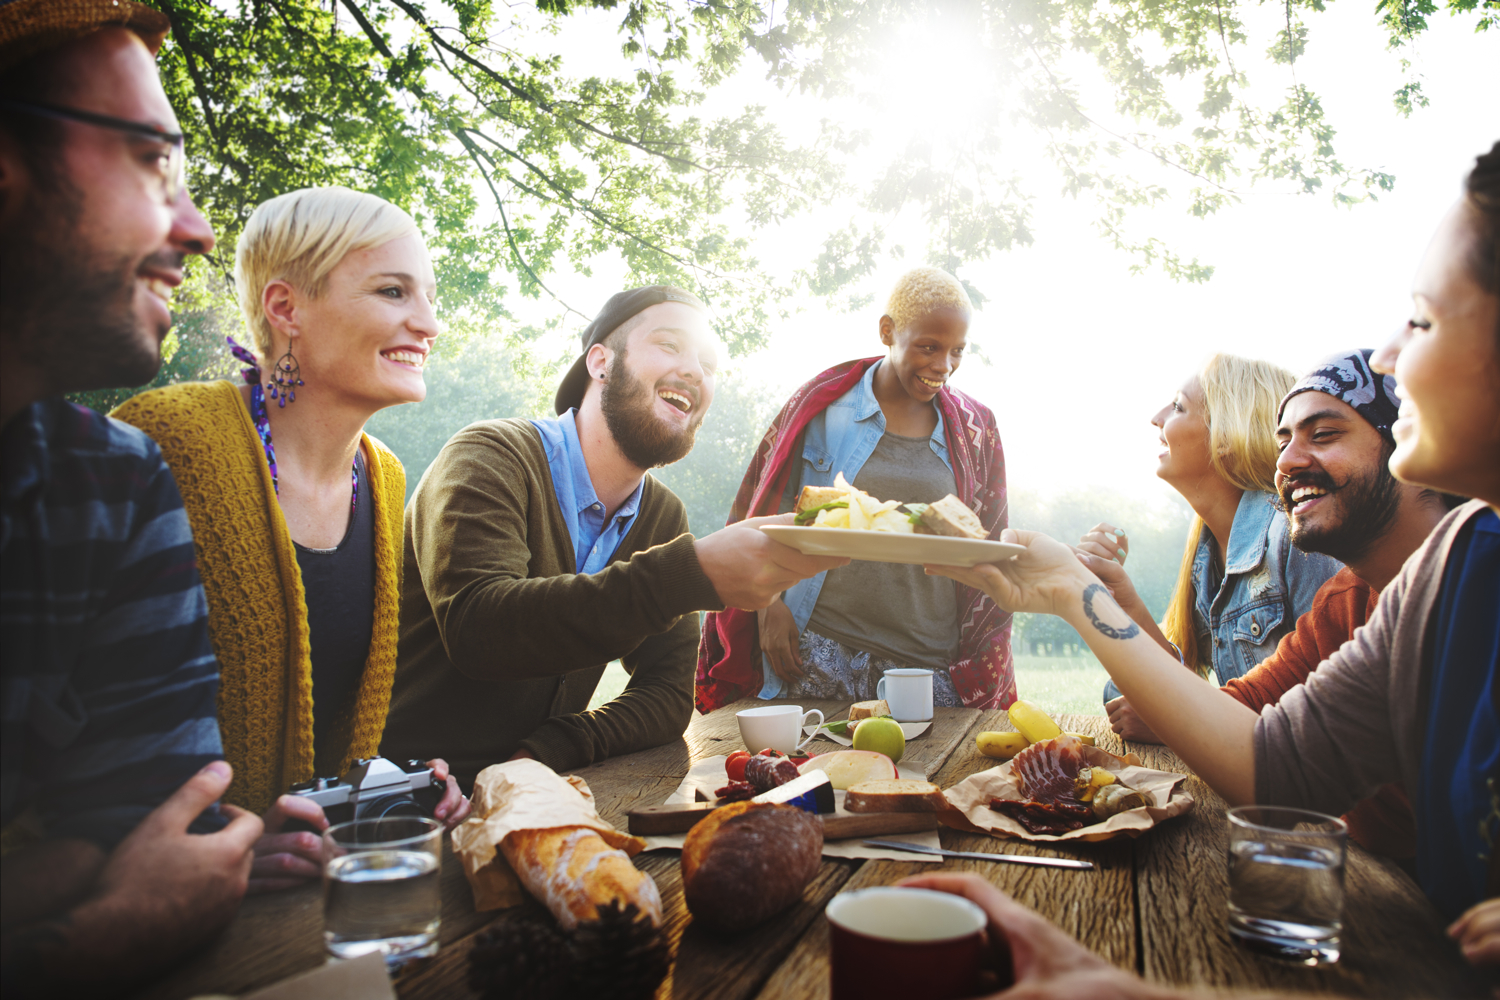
{"x": 894, "y": 795}
{"x": 952, "y": 517}
{"x": 574, "y": 872}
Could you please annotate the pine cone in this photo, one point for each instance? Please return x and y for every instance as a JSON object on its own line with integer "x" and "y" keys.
{"x": 620, "y": 956}
{"x": 523, "y": 957}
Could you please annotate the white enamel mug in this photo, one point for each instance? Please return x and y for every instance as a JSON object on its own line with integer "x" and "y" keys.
{"x": 908, "y": 690}
{"x": 778, "y": 727}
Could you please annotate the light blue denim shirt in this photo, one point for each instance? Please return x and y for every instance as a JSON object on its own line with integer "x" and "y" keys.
{"x": 1268, "y": 584}
{"x": 594, "y": 542}
{"x": 840, "y": 439}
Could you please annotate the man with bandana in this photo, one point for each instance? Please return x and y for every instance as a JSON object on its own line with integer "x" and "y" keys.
{"x": 539, "y": 550}
{"x": 115, "y": 861}
{"x": 1340, "y": 499}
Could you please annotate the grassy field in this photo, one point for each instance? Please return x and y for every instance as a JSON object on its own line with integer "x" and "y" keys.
{"x": 1060, "y": 684}
{"x": 1052, "y": 683}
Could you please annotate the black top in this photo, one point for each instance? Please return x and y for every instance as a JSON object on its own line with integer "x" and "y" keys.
{"x": 340, "y": 588}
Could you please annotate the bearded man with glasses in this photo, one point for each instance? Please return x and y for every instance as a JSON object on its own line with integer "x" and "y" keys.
{"x": 115, "y": 859}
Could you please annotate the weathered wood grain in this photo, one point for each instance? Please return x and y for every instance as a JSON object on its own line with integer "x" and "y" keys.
{"x": 1096, "y": 907}
{"x": 1393, "y": 942}
{"x": 706, "y": 965}
{"x": 281, "y": 934}
{"x": 1157, "y": 904}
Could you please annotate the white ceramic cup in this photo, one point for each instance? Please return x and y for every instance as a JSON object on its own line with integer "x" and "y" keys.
{"x": 908, "y": 690}
{"x": 778, "y": 727}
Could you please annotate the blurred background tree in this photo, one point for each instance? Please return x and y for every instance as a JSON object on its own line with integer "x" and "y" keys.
{"x": 1157, "y": 532}
{"x": 521, "y": 157}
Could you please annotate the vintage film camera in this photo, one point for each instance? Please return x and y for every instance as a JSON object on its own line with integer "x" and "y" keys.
{"x": 375, "y": 788}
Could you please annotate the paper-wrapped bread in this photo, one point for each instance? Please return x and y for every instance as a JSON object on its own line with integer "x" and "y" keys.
{"x": 553, "y": 841}
{"x": 574, "y": 872}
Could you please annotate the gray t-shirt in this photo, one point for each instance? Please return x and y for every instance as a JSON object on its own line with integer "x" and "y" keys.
{"x": 894, "y": 611}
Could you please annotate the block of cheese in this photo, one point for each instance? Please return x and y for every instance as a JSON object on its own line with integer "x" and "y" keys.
{"x": 812, "y": 792}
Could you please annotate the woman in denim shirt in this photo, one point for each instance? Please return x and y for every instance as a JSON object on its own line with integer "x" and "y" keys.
{"x": 895, "y": 429}
{"x": 1242, "y": 585}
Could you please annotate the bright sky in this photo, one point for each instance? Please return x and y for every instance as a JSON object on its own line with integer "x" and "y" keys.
{"x": 1081, "y": 352}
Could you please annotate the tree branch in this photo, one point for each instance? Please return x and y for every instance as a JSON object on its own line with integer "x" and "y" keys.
{"x": 532, "y": 99}
{"x": 510, "y": 237}
{"x": 369, "y": 29}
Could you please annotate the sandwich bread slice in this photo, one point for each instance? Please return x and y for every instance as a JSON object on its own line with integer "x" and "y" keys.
{"x": 951, "y": 516}
{"x": 813, "y": 497}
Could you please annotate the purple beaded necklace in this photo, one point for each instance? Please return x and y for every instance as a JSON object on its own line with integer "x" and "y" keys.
{"x": 262, "y": 421}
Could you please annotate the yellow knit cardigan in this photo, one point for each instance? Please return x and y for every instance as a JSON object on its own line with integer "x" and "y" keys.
{"x": 257, "y": 611}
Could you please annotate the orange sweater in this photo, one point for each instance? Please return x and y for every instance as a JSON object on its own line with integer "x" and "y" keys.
{"x": 1382, "y": 823}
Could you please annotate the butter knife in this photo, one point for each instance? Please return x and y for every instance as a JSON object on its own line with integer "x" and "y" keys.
{"x": 1020, "y": 859}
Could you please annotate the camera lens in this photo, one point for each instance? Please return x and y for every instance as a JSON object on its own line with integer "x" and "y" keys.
{"x": 390, "y": 807}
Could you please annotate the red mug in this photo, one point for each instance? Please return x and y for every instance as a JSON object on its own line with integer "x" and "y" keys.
{"x": 915, "y": 944}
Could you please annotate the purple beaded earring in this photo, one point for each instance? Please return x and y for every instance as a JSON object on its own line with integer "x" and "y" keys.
{"x": 286, "y": 376}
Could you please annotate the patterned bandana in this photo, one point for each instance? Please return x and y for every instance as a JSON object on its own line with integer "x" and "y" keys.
{"x": 1348, "y": 377}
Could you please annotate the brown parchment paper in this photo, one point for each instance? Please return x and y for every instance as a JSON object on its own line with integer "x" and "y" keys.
{"x": 971, "y": 797}
{"x": 522, "y": 795}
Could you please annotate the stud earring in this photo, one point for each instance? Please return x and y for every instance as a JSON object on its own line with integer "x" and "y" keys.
{"x": 286, "y": 376}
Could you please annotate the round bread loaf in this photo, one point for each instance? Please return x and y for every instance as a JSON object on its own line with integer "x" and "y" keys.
{"x": 747, "y": 862}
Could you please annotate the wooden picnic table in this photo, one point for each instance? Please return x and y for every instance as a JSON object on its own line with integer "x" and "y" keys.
{"x": 1156, "y": 905}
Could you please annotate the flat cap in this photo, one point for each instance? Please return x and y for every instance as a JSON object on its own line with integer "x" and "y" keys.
{"x": 31, "y": 26}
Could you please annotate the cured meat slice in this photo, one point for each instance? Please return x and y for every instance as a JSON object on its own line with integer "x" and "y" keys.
{"x": 1045, "y": 817}
{"x": 1046, "y": 770}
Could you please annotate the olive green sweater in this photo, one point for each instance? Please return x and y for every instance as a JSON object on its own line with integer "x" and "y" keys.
{"x": 502, "y": 643}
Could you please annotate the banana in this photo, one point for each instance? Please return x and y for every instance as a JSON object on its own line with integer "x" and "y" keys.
{"x": 1032, "y": 722}
{"x": 1001, "y": 745}
{"x": 1085, "y": 738}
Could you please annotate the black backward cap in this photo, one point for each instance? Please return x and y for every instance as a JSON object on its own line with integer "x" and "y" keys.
{"x": 621, "y": 307}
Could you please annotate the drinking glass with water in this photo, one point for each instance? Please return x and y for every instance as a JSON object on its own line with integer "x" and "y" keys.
{"x": 1286, "y": 882}
{"x": 380, "y": 888}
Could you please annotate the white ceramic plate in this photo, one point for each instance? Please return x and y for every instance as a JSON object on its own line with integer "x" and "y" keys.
{"x": 885, "y": 546}
{"x": 911, "y": 730}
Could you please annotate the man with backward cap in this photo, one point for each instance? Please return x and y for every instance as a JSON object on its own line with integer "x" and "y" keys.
{"x": 1340, "y": 499}
{"x": 539, "y": 550}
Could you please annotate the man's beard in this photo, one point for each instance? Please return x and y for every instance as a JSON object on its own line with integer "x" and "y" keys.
{"x": 642, "y": 436}
{"x": 1368, "y": 505}
{"x": 70, "y": 308}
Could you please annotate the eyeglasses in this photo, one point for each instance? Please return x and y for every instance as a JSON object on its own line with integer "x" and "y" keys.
{"x": 171, "y": 166}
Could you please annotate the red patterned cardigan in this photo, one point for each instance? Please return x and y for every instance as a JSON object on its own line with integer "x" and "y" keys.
{"x": 984, "y": 675}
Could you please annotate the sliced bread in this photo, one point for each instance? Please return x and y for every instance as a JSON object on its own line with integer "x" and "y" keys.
{"x": 895, "y": 795}
{"x": 817, "y": 496}
{"x": 868, "y": 710}
{"x": 951, "y": 516}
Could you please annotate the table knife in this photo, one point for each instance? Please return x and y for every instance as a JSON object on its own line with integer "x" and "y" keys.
{"x": 1020, "y": 859}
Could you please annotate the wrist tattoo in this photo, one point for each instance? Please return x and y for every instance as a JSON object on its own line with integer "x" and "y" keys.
{"x": 1129, "y": 632}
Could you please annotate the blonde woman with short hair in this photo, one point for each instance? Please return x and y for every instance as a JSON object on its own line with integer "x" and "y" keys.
{"x": 296, "y": 511}
{"x": 1242, "y": 585}
{"x": 897, "y": 430}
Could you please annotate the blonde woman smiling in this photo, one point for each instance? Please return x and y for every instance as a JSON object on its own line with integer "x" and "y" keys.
{"x": 296, "y": 512}
{"x": 1242, "y": 584}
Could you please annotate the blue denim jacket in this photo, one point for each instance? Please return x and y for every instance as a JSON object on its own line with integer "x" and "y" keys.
{"x": 840, "y": 439}
{"x": 1268, "y": 584}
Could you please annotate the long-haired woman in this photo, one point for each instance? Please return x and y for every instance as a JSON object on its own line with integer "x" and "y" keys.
{"x": 296, "y": 512}
{"x": 1242, "y": 585}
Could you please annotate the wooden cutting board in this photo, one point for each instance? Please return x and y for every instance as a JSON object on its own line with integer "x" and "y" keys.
{"x": 658, "y": 821}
